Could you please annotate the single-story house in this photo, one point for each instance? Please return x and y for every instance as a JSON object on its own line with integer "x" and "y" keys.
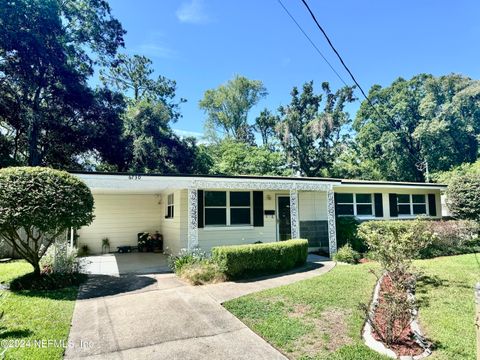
{"x": 208, "y": 211}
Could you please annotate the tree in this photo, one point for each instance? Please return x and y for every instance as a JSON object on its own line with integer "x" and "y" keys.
{"x": 38, "y": 205}
{"x": 48, "y": 49}
{"x": 463, "y": 197}
{"x": 424, "y": 119}
{"x": 228, "y": 105}
{"x": 231, "y": 157}
{"x": 265, "y": 124}
{"x": 313, "y": 138}
{"x": 134, "y": 74}
{"x": 154, "y": 146}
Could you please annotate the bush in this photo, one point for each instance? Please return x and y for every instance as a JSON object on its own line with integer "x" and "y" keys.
{"x": 202, "y": 272}
{"x": 347, "y": 233}
{"x": 61, "y": 259}
{"x": 452, "y": 237}
{"x": 247, "y": 260}
{"x": 396, "y": 243}
{"x": 347, "y": 255}
{"x": 463, "y": 197}
{"x": 37, "y": 206}
{"x": 186, "y": 257}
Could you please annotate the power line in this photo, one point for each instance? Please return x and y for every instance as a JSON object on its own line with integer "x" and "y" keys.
{"x": 312, "y": 43}
{"x": 350, "y": 73}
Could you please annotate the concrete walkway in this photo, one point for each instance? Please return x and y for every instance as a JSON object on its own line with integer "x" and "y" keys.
{"x": 161, "y": 317}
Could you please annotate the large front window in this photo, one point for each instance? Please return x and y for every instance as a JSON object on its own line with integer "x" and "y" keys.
{"x": 409, "y": 204}
{"x": 225, "y": 208}
{"x": 354, "y": 204}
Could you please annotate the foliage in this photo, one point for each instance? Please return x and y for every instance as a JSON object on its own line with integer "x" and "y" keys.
{"x": 105, "y": 244}
{"x": 48, "y": 113}
{"x": 265, "y": 124}
{"x": 232, "y": 157}
{"x": 154, "y": 146}
{"x": 134, "y": 74}
{"x": 202, "y": 272}
{"x": 426, "y": 118}
{"x": 347, "y": 255}
{"x": 314, "y": 138}
{"x": 228, "y": 105}
{"x": 347, "y": 233}
{"x": 463, "y": 197}
{"x": 186, "y": 257}
{"x": 52, "y": 281}
{"x": 38, "y": 205}
{"x": 83, "y": 251}
{"x": 445, "y": 177}
{"x": 452, "y": 237}
{"x": 59, "y": 259}
{"x": 396, "y": 243}
{"x": 247, "y": 260}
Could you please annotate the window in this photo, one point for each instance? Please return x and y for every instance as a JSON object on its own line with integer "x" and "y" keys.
{"x": 354, "y": 204}
{"x": 409, "y": 204}
{"x": 170, "y": 207}
{"x": 224, "y": 208}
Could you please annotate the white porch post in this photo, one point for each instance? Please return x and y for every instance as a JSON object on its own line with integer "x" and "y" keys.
{"x": 294, "y": 214}
{"x": 332, "y": 232}
{"x": 192, "y": 218}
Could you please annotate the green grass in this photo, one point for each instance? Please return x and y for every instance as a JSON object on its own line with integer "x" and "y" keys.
{"x": 447, "y": 312}
{"x": 319, "y": 318}
{"x": 34, "y": 315}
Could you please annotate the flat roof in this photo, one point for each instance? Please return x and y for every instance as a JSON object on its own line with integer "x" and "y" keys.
{"x": 269, "y": 177}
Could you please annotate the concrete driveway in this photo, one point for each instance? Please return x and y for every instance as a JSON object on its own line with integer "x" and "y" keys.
{"x": 129, "y": 263}
{"x": 161, "y": 317}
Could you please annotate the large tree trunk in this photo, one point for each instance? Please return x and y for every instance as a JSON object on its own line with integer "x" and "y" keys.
{"x": 33, "y": 153}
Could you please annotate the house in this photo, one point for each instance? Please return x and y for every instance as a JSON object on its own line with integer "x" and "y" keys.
{"x": 208, "y": 211}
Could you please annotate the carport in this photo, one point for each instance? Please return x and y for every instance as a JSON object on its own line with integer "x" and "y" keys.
{"x": 121, "y": 264}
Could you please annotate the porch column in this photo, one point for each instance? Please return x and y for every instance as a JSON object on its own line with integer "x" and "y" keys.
{"x": 294, "y": 214}
{"x": 192, "y": 233}
{"x": 332, "y": 232}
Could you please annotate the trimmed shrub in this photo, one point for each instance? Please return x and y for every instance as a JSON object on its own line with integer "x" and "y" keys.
{"x": 452, "y": 237}
{"x": 347, "y": 233}
{"x": 37, "y": 206}
{"x": 346, "y": 254}
{"x": 255, "y": 259}
{"x": 463, "y": 197}
{"x": 203, "y": 272}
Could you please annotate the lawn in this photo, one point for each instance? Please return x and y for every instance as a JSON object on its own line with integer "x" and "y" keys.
{"x": 319, "y": 318}
{"x": 34, "y": 315}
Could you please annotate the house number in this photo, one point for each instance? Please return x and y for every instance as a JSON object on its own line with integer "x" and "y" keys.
{"x": 134, "y": 177}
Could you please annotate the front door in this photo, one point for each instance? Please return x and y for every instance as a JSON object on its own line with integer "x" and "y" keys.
{"x": 284, "y": 230}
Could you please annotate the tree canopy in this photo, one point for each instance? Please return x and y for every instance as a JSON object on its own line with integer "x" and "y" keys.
{"x": 228, "y": 105}
{"x": 48, "y": 49}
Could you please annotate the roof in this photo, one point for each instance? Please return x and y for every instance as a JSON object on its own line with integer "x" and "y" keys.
{"x": 335, "y": 181}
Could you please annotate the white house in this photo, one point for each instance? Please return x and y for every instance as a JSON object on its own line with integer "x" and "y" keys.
{"x": 208, "y": 211}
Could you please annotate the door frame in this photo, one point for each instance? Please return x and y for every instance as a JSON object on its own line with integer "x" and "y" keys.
{"x": 277, "y": 216}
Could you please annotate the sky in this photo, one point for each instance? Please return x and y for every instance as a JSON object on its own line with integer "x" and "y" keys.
{"x": 203, "y": 43}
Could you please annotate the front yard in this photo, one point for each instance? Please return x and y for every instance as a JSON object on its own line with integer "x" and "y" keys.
{"x": 34, "y": 316}
{"x": 319, "y": 318}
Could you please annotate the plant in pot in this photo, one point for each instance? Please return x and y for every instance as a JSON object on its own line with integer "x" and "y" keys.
{"x": 105, "y": 245}
{"x": 143, "y": 242}
{"x": 157, "y": 242}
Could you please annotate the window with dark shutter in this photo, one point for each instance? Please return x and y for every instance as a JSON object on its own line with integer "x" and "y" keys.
{"x": 432, "y": 205}
{"x": 393, "y": 205}
{"x": 258, "y": 208}
{"x": 378, "y": 205}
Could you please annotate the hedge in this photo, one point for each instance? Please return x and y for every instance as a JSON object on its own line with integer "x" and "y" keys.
{"x": 255, "y": 259}
{"x": 448, "y": 237}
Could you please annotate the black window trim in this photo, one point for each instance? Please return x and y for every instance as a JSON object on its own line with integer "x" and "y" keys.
{"x": 411, "y": 204}
{"x": 354, "y": 203}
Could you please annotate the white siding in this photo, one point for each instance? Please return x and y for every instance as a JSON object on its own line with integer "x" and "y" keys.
{"x": 174, "y": 230}
{"x": 120, "y": 217}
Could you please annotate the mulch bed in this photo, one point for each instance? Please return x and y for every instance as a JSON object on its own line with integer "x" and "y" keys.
{"x": 406, "y": 345}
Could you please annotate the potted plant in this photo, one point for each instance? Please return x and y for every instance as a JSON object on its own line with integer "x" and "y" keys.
{"x": 105, "y": 245}
{"x": 143, "y": 243}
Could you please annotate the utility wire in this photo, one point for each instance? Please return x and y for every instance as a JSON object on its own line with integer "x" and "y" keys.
{"x": 311, "y": 42}
{"x": 349, "y": 72}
